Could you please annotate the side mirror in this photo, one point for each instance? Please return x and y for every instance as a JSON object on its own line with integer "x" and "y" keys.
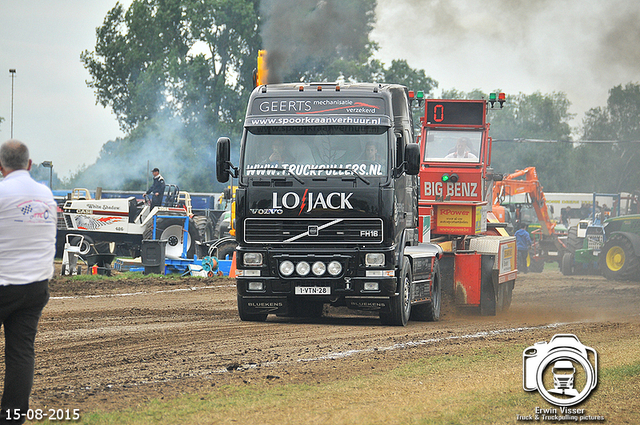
{"x": 223, "y": 156}
{"x": 412, "y": 159}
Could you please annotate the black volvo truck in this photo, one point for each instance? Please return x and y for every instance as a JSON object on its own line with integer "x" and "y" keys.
{"x": 327, "y": 204}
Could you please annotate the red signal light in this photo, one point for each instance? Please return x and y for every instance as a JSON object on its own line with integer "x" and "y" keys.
{"x": 501, "y": 98}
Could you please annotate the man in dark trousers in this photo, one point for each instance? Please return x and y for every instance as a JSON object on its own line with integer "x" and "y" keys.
{"x": 523, "y": 243}
{"x": 27, "y": 248}
{"x": 157, "y": 188}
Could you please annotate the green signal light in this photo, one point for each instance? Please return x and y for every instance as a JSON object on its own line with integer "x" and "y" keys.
{"x": 449, "y": 178}
{"x": 420, "y": 94}
{"x": 492, "y": 97}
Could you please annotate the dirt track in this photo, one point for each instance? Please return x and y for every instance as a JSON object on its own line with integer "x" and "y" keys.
{"x": 105, "y": 346}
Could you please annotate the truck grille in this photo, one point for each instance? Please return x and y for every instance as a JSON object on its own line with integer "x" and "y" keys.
{"x": 313, "y": 231}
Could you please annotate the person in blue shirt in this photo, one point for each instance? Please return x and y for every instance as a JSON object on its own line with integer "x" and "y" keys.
{"x": 523, "y": 243}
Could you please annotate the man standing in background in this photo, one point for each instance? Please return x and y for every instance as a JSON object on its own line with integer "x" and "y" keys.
{"x": 523, "y": 243}
{"x": 157, "y": 188}
{"x": 27, "y": 249}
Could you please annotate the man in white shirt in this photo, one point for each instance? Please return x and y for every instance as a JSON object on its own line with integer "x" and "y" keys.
{"x": 462, "y": 150}
{"x": 27, "y": 249}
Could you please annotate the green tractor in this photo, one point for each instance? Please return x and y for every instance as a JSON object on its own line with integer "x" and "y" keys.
{"x": 583, "y": 244}
{"x": 585, "y": 241}
{"x": 619, "y": 258}
{"x": 608, "y": 243}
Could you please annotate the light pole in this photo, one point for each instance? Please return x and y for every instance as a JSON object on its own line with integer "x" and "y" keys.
{"x": 49, "y": 165}
{"x": 13, "y": 76}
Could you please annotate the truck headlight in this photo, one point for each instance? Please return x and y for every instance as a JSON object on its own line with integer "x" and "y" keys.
{"x": 374, "y": 259}
{"x": 319, "y": 268}
{"x": 334, "y": 268}
{"x": 252, "y": 259}
{"x": 286, "y": 268}
{"x": 303, "y": 268}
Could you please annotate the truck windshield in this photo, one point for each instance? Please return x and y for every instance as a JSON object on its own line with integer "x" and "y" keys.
{"x": 316, "y": 151}
{"x": 453, "y": 146}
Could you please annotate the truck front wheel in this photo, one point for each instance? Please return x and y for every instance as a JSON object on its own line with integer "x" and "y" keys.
{"x": 430, "y": 311}
{"x": 400, "y": 305}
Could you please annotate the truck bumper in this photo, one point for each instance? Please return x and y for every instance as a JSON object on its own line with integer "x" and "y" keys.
{"x": 284, "y": 306}
{"x": 265, "y": 305}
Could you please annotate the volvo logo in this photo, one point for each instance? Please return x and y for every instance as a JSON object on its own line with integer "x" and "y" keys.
{"x": 266, "y": 211}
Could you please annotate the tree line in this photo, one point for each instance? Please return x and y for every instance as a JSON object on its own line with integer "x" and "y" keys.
{"x": 178, "y": 73}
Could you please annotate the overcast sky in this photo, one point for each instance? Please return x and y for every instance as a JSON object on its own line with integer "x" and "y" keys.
{"x": 580, "y": 47}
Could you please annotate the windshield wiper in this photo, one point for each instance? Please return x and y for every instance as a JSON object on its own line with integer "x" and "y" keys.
{"x": 349, "y": 169}
{"x": 295, "y": 176}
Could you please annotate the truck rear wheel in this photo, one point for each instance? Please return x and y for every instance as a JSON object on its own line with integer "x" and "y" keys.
{"x": 401, "y": 303}
{"x": 617, "y": 259}
{"x": 430, "y": 312}
{"x": 505, "y": 295}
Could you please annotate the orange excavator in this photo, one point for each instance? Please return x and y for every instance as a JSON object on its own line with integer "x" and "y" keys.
{"x": 547, "y": 245}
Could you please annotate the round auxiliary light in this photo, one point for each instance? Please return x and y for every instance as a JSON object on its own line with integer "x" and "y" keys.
{"x": 303, "y": 268}
{"x": 334, "y": 268}
{"x": 318, "y": 268}
{"x": 286, "y": 268}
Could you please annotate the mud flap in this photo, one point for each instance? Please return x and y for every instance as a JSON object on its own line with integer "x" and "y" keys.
{"x": 447, "y": 274}
{"x": 488, "y": 287}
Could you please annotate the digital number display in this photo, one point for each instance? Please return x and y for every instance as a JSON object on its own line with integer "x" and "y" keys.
{"x": 455, "y": 113}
